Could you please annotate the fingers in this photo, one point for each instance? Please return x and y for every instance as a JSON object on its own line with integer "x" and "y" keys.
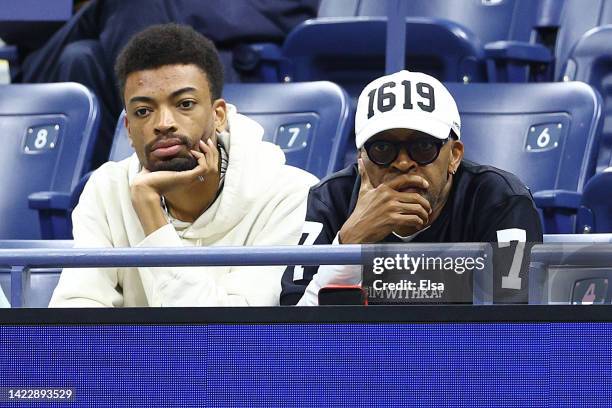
{"x": 366, "y": 184}
{"x": 197, "y": 155}
{"x": 413, "y": 209}
{"x": 407, "y": 181}
{"x": 208, "y": 160}
{"x": 212, "y": 153}
{"x": 209, "y": 155}
{"x": 409, "y": 220}
{"x": 414, "y": 198}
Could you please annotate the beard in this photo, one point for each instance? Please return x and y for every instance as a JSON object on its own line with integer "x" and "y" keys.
{"x": 174, "y": 164}
{"x": 179, "y": 162}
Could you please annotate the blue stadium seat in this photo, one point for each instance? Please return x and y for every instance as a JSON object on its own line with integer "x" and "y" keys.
{"x": 546, "y": 134}
{"x": 515, "y": 34}
{"x": 583, "y": 52}
{"x": 351, "y": 51}
{"x": 590, "y": 61}
{"x": 346, "y": 44}
{"x": 488, "y": 20}
{"x": 121, "y": 147}
{"x": 575, "y": 23}
{"x": 38, "y": 284}
{"x": 565, "y": 22}
{"x": 309, "y": 121}
{"x": 48, "y": 132}
{"x": 595, "y": 212}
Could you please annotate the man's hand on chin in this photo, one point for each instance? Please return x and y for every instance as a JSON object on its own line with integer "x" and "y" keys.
{"x": 383, "y": 209}
{"x": 148, "y": 187}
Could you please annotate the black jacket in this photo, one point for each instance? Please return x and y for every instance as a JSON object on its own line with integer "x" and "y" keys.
{"x": 483, "y": 200}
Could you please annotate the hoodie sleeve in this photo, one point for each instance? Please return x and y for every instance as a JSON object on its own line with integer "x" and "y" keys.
{"x": 3, "y": 300}
{"x": 181, "y": 286}
{"x": 261, "y": 285}
{"x": 89, "y": 287}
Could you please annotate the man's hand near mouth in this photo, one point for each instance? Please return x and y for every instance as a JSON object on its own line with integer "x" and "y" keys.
{"x": 394, "y": 204}
{"x": 148, "y": 187}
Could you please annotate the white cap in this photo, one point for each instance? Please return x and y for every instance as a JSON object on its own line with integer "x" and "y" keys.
{"x": 406, "y": 100}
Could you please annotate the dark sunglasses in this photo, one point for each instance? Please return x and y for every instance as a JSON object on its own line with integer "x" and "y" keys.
{"x": 422, "y": 151}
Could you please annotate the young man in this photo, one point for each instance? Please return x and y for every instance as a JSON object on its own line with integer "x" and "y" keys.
{"x": 201, "y": 176}
{"x": 411, "y": 185}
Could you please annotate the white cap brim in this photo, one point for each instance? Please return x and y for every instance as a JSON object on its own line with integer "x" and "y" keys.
{"x": 422, "y": 122}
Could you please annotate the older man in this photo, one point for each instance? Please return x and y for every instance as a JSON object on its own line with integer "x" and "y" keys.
{"x": 411, "y": 184}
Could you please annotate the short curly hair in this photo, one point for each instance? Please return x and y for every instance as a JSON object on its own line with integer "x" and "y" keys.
{"x": 169, "y": 44}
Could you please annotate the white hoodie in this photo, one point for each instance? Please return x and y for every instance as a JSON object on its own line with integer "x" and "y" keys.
{"x": 3, "y": 301}
{"x": 263, "y": 202}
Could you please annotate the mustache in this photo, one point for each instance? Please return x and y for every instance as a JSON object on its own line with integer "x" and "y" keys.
{"x": 184, "y": 140}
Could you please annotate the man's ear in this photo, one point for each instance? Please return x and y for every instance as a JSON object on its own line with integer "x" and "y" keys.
{"x": 220, "y": 111}
{"x": 126, "y": 123}
{"x": 456, "y": 155}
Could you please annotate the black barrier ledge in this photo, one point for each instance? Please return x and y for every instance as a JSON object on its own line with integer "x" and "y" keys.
{"x": 298, "y": 315}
